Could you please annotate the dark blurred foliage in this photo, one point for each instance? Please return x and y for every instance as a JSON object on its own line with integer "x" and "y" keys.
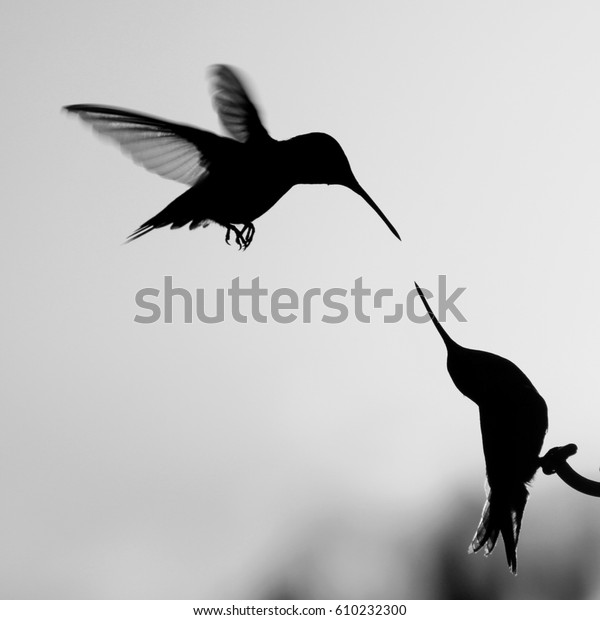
{"x": 560, "y": 570}
{"x": 411, "y": 556}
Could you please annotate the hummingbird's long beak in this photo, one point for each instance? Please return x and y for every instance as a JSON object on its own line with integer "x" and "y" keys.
{"x": 356, "y": 187}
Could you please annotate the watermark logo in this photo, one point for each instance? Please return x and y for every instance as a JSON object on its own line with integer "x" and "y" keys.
{"x": 285, "y": 305}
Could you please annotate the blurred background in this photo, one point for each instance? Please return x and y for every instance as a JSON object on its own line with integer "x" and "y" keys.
{"x": 253, "y": 461}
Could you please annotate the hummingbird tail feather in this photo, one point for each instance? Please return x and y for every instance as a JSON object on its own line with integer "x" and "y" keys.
{"x": 502, "y": 514}
{"x": 164, "y": 218}
{"x": 177, "y": 214}
{"x": 140, "y": 232}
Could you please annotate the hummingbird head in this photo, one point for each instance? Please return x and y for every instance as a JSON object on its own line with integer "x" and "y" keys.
{"x": 322, "y": 160}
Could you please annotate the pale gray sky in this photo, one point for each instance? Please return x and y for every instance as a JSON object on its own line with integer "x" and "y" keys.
{"x": 187, "y": 460}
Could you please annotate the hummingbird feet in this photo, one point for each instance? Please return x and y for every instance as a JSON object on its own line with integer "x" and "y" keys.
{"x": 242, "y": 241}
{"x": 239, "y": 238}
{"x": 249, "y": 230}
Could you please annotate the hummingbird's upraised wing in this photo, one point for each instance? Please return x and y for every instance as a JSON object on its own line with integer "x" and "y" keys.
{"x": 177, "y": 152}
{"x": 235, "y": 109}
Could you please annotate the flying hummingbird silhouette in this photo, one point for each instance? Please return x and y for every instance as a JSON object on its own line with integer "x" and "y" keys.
{"x": 233, "y": 180}
{"x": 514, "y": 421}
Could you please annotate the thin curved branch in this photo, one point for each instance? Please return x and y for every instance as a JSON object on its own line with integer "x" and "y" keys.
{"x": 555, "y": 462}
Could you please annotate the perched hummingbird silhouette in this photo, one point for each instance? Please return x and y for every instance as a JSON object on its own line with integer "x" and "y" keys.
{"x": 514, "y": 421}
{"x": 233, "y": 180}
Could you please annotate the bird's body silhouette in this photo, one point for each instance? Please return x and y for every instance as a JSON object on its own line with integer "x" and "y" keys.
{"x": 514, "y": 421}
{"x": 233, "y": 180}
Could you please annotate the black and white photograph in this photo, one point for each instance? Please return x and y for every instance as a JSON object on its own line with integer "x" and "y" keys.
{"x": 300, "y": 304}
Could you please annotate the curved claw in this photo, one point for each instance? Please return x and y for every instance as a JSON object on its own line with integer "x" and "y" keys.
{"x": 239, "y": 239}
{"x": 249, "y": 230}
{"x": 555, "y": 462}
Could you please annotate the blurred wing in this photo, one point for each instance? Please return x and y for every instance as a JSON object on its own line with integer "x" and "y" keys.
{"x": 177, "y": 152}
{"x": 236, "y": 112}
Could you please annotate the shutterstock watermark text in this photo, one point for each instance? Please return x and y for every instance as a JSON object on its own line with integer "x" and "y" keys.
{"x": 286, "y": 305}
